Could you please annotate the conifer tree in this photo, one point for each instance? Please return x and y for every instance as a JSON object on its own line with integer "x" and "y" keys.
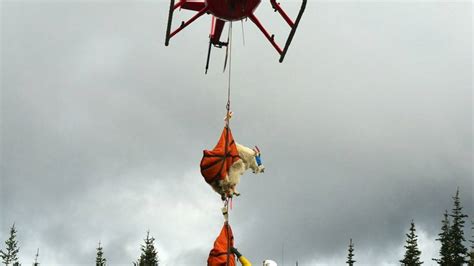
{"x": 149, "y": 256}
{"x": 471, "y": 254}
{"x": 36, "y": 263}
{"x": 446, "y": 258}
{"x": 100, "y": 260}
{"x": 9, "y": 256}
{"x": 350, "y": 256}
{"x": 458, "y": 250}
{"x": 412, "y": 253}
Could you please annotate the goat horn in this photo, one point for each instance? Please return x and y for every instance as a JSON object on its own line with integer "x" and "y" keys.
{"x": 257, "y": 149}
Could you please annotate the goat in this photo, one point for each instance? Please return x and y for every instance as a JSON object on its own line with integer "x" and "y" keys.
{"x": 249, "y": 158}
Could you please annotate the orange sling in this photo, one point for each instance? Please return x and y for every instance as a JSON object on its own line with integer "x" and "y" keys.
{"x": 221, "y": 255}
{"x": 215, "y": 164}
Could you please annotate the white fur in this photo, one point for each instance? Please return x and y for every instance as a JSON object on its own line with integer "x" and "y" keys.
{"x": 227, "y": 187}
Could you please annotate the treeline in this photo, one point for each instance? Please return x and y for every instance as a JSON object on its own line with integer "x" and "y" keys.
{"x": 453, "y": 251}
{"x": 148, "y": 257}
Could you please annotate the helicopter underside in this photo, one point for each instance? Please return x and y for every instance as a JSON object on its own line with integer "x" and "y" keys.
{"x": 232, "y": 10}
{"x": 224, "y": 11}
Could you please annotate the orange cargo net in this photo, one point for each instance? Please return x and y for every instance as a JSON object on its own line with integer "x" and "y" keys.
{"x": 215, "y": 164}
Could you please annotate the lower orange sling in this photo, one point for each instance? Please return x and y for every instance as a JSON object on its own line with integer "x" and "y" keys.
{"x": 221, "y": 255}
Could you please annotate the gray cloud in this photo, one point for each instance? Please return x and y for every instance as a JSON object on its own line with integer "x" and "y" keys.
{"x": 367, "y": 125}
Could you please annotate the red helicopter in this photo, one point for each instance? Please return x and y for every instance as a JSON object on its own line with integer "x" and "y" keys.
{"x": 227, "y": 11}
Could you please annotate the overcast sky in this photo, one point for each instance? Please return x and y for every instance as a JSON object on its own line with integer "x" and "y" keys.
{"x": 365, "y": 126}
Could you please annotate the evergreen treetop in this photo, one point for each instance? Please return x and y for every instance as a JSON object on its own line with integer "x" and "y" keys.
{"x": 444, "y": 237}
{"x": 100, "y": 260}
{"x": 412, "y": 253}
{"x": 458, "y": 250}
{"x": 9, "y": 256}
{"x": 471, "y": 254}
{"x": 149, "y": 256}
{"x": 36, "y": 263}
{"x": 350, "y": 256}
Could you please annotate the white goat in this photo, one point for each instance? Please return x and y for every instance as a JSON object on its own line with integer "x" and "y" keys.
{"x": 249, "y": 158}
